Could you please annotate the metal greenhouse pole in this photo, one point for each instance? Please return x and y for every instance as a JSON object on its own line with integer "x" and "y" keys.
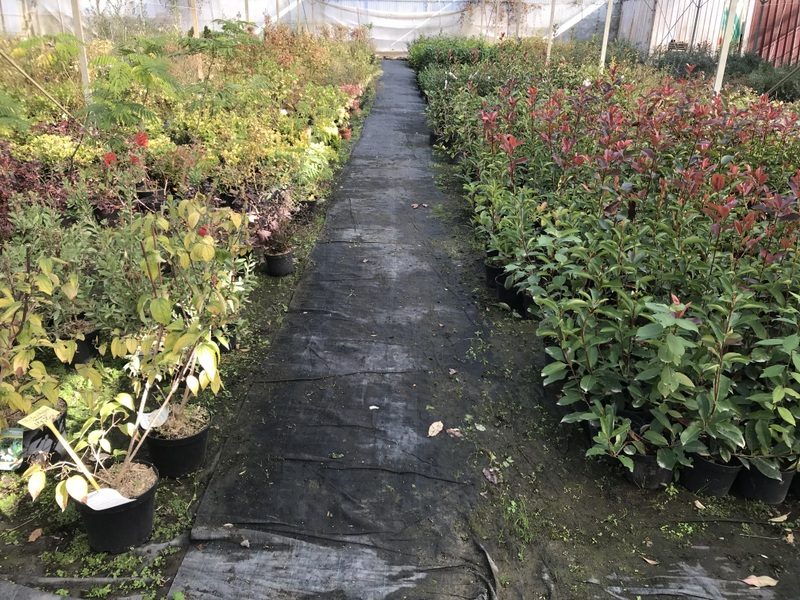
{"x": 550, "y": 33}
{"x": 83, "y": 60}
{"x": 726, "y": 46}
{"x": 606, "y": 33}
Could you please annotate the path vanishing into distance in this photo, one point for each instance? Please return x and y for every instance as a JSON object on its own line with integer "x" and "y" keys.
{"x": 329, "y": 486}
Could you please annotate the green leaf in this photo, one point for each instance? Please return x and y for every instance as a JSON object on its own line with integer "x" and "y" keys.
{"x": 773, "y": 371}
{"x": 655, "y": 438}
{"x": 650, "y": 331}
{"x": 768, "y": 468}
{"x": 790, "y": 343}
{"x": 786, "y": 415}
{"x": 587, "y": 382}
{"x": 161, "y": 309}
{"x": 626, "y": 460}
{"x": 683, "y": 380}
{"x": 553, "y": 369}
{"x": 666, "y": 458}
{"x": 690, "y": 434}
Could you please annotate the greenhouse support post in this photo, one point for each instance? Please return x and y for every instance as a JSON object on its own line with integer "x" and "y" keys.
{"x": 726, "y": 46}
{"x": 550, "y": 33}
{"x": 195, "y": 18}
{"x": 247, "y": 10}
{"x": 83, "y": 60}
{"x": 606, "y": 33}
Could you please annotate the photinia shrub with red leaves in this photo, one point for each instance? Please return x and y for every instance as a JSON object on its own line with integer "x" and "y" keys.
{"x": 655, "y": 225}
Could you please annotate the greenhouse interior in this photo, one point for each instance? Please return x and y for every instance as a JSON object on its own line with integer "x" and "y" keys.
{"x": 399, "y": 300}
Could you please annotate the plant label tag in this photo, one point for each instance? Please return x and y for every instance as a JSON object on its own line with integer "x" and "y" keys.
{"x": 155, "y": 418}
{"x": 40, "y": 417}
{"x": 105, "y": 498}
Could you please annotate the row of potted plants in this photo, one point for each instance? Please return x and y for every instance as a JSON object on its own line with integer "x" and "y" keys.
{"x": 131, "y": 239}
{"x": 651, "y": 228}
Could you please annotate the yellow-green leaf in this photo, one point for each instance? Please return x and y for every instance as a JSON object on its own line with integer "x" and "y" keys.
{"x": 186, "y": 340}
{"x": 62, "y": 496}
{"x": 126, "y": 400}
{"x": 44, "y": 284}
{"x": 203, "y": 251}
{"x": 193, "y": 384}
{"x": 77, "y": 488}
{"x": 70, "y": 288}
{"x": 216, "y": 384}
{"x": 36, "y": 483}
{"x": 65, "y": 350}
{"x": 193, "y": 219}
{"x": 207, "y": 357}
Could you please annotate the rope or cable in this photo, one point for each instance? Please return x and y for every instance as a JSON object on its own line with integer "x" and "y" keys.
{"x": 785, "y": 78}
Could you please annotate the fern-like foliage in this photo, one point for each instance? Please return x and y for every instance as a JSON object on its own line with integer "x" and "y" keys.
{"x": 12, "y": 115}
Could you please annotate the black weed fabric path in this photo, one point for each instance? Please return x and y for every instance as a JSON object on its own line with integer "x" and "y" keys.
{"x": 330, "y": 475}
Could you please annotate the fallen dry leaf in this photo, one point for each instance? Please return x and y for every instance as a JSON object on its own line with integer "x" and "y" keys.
{"x": 492, "y": 475}
{"x": 759, "y": 581}
{"x": 699, "y": 505}
{"x": 455, "y": 433}
{"x": 452, "y": 372}
{"x": 780, "y": 519}
{"x": 649, "y": 561}
{"x": 245, "y": 543}
{"x": 435, "y": 428}
{"x": 35, "y": 534}
{"x": 415, "y": 206}
{"x": 790, "y": 538}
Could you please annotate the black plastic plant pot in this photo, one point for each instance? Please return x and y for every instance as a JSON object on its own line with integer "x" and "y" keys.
{"x": 527, "y": 304}
{"x": 647, "y": 473}
{"x": 42, "y": 441}
{"x": 85, "y": 349}
{"x": 753, "y": 485}
{"x": 708, "y": 477}
{"x": 279, "y": 265}
{"x": 117, "y": 529}
{"x": 506, "y": 295}
{"x": 493, "y": 271}
{"x": 794, "y": 489}
{"x": 178, "y": 457}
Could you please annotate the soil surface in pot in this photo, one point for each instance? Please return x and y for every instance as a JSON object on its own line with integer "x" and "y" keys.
{"x": 193, "y": 420}
{"x": 130, "y": 480}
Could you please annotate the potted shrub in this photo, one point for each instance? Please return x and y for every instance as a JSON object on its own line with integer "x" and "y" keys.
{"x": 196, "y": 279}
{"x": 273, "y": 235}
{"x": 29, "y": 290}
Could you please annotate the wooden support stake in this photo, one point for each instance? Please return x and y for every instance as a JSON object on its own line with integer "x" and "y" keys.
{"x": 550, "y": 33}
{"x": 83, "y": 59}
{"x": 726, "y": 46}
{"x": 606, "y": 33}
{"x": 35, "y": 83}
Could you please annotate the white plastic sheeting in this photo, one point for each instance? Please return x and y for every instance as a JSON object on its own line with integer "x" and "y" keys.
{"x": 651, "y": 26}
{"x": 393, "y": 23}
